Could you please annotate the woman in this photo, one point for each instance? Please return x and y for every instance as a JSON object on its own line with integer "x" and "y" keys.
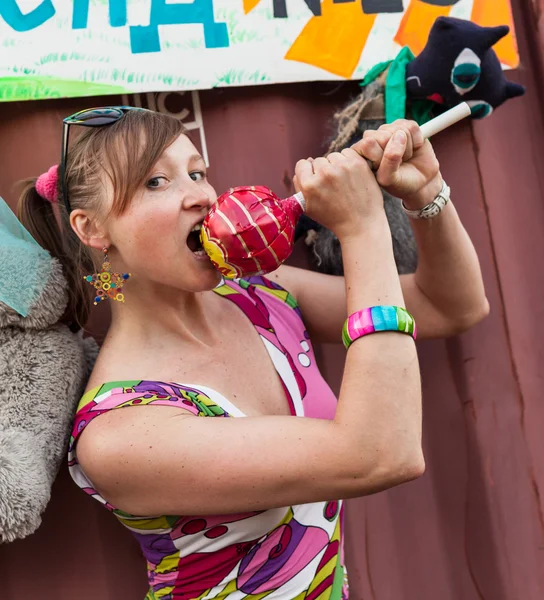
{"x": 258, "y": 495}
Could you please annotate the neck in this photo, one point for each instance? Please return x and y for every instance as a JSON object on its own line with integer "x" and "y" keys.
{"x": 159, "y": 311}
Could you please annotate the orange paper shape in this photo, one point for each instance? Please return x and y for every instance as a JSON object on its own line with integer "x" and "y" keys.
{"x": 249, "y": 5}
{"x": 490, "y": 13}
{"x": 417, "y": 23}
{"x": 335, "y": 40}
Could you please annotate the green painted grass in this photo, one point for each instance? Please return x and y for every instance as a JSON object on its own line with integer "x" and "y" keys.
{"x": 35, "y": 88}
{"x": 241, "y": 77}
{"x": 56, "y": 57}
{"x": 238, "y": 34}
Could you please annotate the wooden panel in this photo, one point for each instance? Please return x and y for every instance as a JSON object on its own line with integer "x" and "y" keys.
{"x": 469, "y": 527}
{"x": 472, "y": 527}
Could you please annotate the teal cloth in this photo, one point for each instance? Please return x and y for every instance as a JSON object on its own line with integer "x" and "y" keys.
{"x": 395, "y": 89}
{"x": 24, "y": 265}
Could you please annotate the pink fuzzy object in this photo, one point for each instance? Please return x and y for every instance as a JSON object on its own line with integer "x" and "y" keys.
{"x": 46, "y": 185}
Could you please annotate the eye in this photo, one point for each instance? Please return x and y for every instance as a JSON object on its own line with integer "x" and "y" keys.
{"x": 197, "y": 175}
{"x": 156, "y": 182}
{"x": 466, "y": 72}
{"x": 480, "y": 109}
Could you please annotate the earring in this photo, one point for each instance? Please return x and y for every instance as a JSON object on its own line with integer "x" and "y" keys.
{"x": 106, "y": 283}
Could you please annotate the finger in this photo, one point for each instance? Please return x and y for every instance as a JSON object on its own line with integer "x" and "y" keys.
{"x": 352, "y": 154}
{"x": 321, "y": 163}
{"x": 370, "y": 149}
{"x": 409, "y": 152}
{"x": 397, "y": 124}
{"x": 381, "y": 135}
{"x": 295, "y": 184}
{"x": 362, "y": 162}
{"x": 303, "y": 171}
{"x": 412, "y": 129}
{"x": 335, "y": 157}
{"x": 417, "y": 136}
{"x": 413, "y": 133}
{"x": 388, "y": 173}
{"x": 311, "y": 161}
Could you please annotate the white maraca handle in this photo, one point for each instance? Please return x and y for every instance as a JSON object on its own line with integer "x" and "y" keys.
{"x": 432, "y": 127}
{"x": 445, "y": 120}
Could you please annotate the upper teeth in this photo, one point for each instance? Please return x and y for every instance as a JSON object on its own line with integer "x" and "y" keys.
{"x": 197, "y": 227}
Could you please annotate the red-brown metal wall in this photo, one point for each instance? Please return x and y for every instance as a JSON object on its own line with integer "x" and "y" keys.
{"x": 473, "y": 527}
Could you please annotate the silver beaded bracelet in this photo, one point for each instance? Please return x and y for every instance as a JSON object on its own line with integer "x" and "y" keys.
{"x": 433, "y": 208}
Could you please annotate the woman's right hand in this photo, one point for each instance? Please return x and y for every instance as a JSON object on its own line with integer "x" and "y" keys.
{"x": 341, "y": 192}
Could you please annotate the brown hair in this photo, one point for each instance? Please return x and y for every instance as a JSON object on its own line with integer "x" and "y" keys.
{"x": 125, "y": 152}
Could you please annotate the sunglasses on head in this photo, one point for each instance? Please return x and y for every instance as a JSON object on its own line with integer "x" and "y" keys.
{"x": 90, "y": 117}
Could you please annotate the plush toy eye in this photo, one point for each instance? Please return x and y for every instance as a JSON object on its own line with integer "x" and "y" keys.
{"x": 466, "y": 72}
{"x": 480, "y": 109}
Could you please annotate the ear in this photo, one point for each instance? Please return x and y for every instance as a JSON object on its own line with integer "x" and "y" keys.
{"x": 491, "y": 35}
{"x": 88, "y": 230}
{"x": 443, "y": 23}
{"x": 513, "y": 90}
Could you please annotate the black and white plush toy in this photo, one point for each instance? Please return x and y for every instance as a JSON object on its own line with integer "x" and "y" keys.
{"x": 44, "y": 367}
{"x": 458, "y": 64}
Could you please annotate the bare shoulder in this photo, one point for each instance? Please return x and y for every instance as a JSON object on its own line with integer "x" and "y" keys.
{"x": 113, "y": 429}
{"x": 116, "y": 361}
{"x": 104, "y": 369}
{"x": 121, "y": 432}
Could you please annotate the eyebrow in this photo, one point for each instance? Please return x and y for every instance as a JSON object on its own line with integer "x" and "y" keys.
{"x": 194, "y": 158}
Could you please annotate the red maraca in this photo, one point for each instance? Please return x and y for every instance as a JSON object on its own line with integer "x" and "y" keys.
{"x": 250, "y": 231}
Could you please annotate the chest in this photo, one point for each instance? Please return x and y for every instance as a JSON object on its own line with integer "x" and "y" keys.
{"x": 260, "y": 361}
{"x": 243, "y": 369}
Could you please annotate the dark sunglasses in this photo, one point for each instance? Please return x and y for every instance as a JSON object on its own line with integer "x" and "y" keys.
{"x": 90, "y": 117}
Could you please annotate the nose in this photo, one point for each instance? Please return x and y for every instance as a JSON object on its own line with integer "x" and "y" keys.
{"x": 198, "y": 197}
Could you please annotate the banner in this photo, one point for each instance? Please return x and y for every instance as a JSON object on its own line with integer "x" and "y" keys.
{"x": 67, "y": 48}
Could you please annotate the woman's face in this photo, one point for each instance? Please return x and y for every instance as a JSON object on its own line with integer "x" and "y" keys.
{"x": 157, "y": 237}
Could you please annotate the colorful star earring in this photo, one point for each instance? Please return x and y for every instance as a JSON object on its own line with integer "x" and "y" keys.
{"x": 106, "y": 283}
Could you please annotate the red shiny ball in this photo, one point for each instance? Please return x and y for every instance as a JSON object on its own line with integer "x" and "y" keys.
{"x": 250, "y": 231}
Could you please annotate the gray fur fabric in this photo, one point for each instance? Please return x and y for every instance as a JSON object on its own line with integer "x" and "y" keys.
{"x": 43, "y": 371}
{"x": 327, "y": 253}
{"x": 325, "y": 247}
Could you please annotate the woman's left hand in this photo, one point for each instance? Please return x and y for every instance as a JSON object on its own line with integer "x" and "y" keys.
{"x": 416, "y": 178}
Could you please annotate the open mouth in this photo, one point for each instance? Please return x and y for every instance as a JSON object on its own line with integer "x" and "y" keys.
{"x": 194, "y": 242}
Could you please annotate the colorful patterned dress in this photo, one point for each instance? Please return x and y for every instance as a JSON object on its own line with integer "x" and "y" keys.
{"x": 283, "y": 553}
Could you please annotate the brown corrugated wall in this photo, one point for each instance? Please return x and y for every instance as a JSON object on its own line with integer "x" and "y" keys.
{"x": 473, "y": 527}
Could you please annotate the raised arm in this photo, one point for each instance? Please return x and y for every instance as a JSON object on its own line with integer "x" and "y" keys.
{"x": 212, "y": 465}
{"x": 446, "y": 294}
{"x": 447, "y": 284}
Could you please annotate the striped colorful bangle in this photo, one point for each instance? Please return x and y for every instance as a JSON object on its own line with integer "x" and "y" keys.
{"x": 375, "y": 319}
